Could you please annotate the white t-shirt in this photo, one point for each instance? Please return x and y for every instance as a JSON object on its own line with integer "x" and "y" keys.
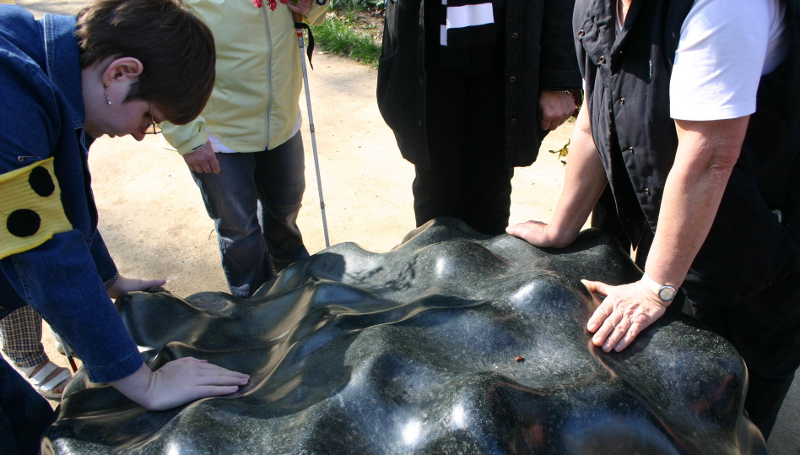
{"x": 725, "y": 47}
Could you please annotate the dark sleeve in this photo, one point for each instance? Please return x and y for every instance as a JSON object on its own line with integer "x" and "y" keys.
{"x": 559, "y": 65}
{"x": 60, "y": 278}
{"x": 102, "y": 258}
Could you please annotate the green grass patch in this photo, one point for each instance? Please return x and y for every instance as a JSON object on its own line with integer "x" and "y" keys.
{"x": 337, "y": 36}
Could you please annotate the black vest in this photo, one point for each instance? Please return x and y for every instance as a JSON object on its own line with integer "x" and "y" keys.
{"x": 750, "y": 246}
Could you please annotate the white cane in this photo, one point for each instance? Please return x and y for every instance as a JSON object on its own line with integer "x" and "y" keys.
{"x": 298, "y": 19}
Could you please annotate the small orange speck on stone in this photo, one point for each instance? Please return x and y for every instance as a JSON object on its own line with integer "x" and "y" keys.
{"x": 520, "y": 358}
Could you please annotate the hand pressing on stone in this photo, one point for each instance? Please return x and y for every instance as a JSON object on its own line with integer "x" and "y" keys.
{"x": 625, "y": 311}
{"x": 542, "y": 234}
{"x": 179, "y": 382}
{"x": 122, "y": 285}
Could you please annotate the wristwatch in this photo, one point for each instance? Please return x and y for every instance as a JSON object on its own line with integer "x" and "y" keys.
{"x": 664, "y": 292}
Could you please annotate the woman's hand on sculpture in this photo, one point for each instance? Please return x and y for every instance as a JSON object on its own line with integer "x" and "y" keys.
{"x": 202, "y": 160}
{"x": 541, "y": 234}
{"x": 179, "y": 382}
{"x": 301, "y": 7}
{"x": 625, "y": 311}
{"x": 555, "y": 108}
{"x": 125, "y": 285}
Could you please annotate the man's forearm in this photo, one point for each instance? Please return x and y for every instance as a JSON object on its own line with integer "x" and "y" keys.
{"x": 583, "y": 185}
{"x": 706, "y": 156}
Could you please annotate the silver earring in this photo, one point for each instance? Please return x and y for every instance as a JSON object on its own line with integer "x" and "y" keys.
{"x": 105, "y": 89}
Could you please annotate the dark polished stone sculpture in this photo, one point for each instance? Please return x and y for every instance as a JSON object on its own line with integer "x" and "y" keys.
{"x": 421, "y": 350}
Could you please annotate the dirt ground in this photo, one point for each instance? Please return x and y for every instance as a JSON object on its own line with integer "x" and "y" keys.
{"x": 153, "y": 220}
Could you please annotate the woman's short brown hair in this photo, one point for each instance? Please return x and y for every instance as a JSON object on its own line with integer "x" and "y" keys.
{"x": 175, "y": 47}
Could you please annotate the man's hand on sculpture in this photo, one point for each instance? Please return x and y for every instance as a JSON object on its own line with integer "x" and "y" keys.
{"x": 202, "y": 160}
{"x": 541, "y": 234}
{"x": 179, "y": 382}
{"x": 624, "y": 313}
{"x": 125, "y": 285}
{"x": 555, "y": 108}
{"x": 302, "y": 6}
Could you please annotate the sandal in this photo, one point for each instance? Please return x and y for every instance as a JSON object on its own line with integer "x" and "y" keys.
{"x": 44, "y": 381}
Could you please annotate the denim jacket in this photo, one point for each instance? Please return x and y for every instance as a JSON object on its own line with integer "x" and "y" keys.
{"x": 41, "y": 116}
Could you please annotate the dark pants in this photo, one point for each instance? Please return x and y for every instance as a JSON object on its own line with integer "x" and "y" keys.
{"x": 464, "y": 119}
{"x": 254, "y": 202}
{"x": 24, "y": 414}
{"x": 764, "y": 328}
{"x": 481, "y": 199}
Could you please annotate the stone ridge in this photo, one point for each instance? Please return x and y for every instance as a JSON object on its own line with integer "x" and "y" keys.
{"x": 416, "y": 350}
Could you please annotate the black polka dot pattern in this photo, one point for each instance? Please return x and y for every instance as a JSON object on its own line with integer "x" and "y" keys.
{"x": 41, "y": 182}
{"x": 23, "y": 222}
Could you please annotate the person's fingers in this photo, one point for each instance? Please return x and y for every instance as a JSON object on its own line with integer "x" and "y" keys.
{"x": 560, "y": 121}
{"x": 206, "y": 166}
{"x": 530, "y": 231}
{"x": 543, "y": 122}
{"x": 617, "y": 333}
{"x": 219, "y": 379}
{"x": 608, "y": 324}
{"x": 213, "y": 391}
{"x": 597, "y": 287}
{"x": 190, "y": 359}
{"x": 221, "y": 372}
{"x": 144, "y": 285}
{"x": 633, "y": 331}
{"x": 203, "y": 368}
{"x": 295, "y": 9}
{"x": 519, "y": 229}
{"x": 211, "y": 369}
{"x": 600, "y": 315}
{"x": 211, "y": 366}
{"x": 522, "y": 231}
{"x": 214, "y": 163}
{"x": 300, "y": 6}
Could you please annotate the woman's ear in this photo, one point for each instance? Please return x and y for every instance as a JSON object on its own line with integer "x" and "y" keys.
{"x": 122, "y": 69}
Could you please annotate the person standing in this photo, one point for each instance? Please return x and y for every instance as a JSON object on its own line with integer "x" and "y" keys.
{"x": 245, "y": 150}
{"x": 470, "y": 89}
{"x": 66, "y": 80}
{"x": 693, "y": 119}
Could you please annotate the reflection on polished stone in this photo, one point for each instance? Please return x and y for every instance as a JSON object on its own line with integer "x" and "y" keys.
{"x": 415, "y": 350}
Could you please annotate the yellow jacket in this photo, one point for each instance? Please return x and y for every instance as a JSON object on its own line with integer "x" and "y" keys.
{"x": 254, "y": 105}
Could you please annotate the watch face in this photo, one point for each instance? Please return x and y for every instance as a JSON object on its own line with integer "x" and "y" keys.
{"x": 667, "y": 293}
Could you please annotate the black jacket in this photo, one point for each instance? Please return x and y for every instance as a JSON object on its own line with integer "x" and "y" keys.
{"x": 749, "y": 247}
{"x": 539, "y": 55}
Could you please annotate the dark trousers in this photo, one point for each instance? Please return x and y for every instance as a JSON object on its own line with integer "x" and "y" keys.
{"x": 764, "y": 328}
{"x": 464, "y": 118}
{"x": 254, "y": 202}
{"x": 24, "y": 414}
{"x": 481, "y": 199}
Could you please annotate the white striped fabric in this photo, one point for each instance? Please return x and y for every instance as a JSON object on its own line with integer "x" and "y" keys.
{"x": 462, "y": 15}
{"x": 470, "y": 15}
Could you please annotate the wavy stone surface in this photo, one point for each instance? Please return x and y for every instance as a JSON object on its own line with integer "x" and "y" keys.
{"x": 415, "y": 350}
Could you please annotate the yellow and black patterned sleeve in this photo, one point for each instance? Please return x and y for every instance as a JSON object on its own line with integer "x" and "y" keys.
{"x": 31, "y": 211}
